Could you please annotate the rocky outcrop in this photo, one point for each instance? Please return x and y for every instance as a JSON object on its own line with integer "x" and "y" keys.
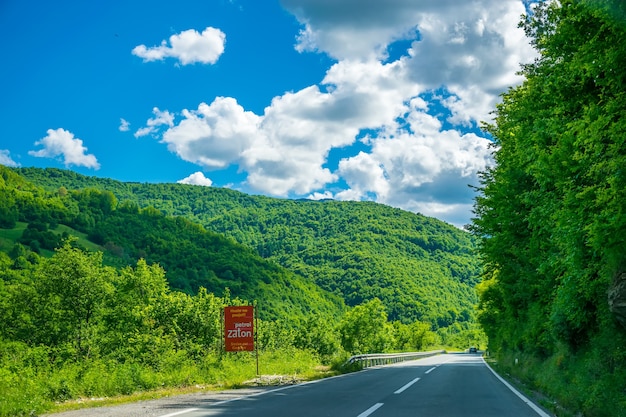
{"x": 617, "y": 298}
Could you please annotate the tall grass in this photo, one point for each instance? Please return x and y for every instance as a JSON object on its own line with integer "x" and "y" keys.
{"x": 589, "y": 383}
{"x": 31, "y": 385}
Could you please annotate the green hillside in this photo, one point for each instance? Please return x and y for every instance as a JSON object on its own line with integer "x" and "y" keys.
{"x": 192, "y": 256}
{"x": 552, "y": 214}
{"x": 421, "y": 268}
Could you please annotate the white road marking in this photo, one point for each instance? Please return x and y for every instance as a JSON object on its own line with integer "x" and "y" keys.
{"x": 430, "y": 370}
{"x": 370, "y": 410}
{"x": 401, "y": 390}
{"x": 519, "y": 394}
{"x": 188, "y": 410}
{"x": 256, "y": 394}
{"x": 363, "y": 414}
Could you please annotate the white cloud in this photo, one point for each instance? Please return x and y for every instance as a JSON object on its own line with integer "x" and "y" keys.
{"x": 188, "y": 47}
{"x": 213, "y": 136}
{"x": 411, "y": 113}
{"x": 364, "y": 174}
{"x": 284, "y": 150}
{"x": 62, "y": 143}
{"x": 197, "y": 178}
{"x": 6, "y": 160}
{"x": 427, "y": 171}
{"x": 161, "y": 118}
{"x": 353, "y": 29}
{"x": 474, "y": 50}
{"x": 326, "y": 195}
{"x": 456, "y": 44}
{"x": 124, "y": 125}
{"x": 299, "y": 129}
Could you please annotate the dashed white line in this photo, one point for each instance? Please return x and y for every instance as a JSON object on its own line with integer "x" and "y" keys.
{"x": 430, "y": 370}
{"x": 218, "y": 403}
{"x": 370, "y": 410}
{"x": 188, "y": 410}
{"x": 401, "y": 390}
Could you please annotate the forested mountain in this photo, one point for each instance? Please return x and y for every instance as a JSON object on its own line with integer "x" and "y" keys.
{"x": 421, "y": 268}
{"x": 191, "y": 256}
{"x": 552, "y": 217}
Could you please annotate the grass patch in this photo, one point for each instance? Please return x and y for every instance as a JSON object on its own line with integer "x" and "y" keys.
{"x": 30, "y": 385}
{"x": 588, "y": 383}
{"x": 82, "y": 238}
{"x": 8, "y": 237}
{"x": 91, "y": 402}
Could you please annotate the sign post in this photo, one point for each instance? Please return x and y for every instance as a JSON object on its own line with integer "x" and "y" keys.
{"x": 239, "y": 334}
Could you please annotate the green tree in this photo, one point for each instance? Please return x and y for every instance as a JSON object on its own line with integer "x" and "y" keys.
{"x": 135, "y": 324}
{"x": 8, "y": 212}
{"x": 319, "y": 335}
{"x": 550, "y": 212}
{"x": 365, "y": 329}
{"x": 72, "y": 286}
{"x": 550, "y": 202}
{"x": 413, "y": 337}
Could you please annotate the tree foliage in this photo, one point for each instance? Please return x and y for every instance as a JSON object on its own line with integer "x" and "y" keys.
{"x": 551, "y": 212}
{"x": 420, "y": 268}
{"x": 193, "y": 257}
{"x": 365, "y": 329}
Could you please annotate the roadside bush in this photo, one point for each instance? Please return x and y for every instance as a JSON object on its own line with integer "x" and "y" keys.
{"x": 22, "y": 370}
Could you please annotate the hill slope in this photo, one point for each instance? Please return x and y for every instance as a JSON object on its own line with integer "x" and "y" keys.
{"x": 421, "y": 268}
{"x": 191, "y": 256}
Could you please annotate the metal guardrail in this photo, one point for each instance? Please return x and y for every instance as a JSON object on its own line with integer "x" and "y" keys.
{"x": 375, "y": 359}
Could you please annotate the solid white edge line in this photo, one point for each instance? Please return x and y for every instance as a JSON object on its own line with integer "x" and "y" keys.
{"x": 256, "y": 394}
{"x": 370, "y": 410}
{"x": 401, "y": 390}
{"x": 516, "y": 392}
{"x": 188, "y": 410}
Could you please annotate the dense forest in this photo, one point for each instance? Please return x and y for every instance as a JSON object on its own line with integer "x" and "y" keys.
{"x": 102, "y": 293}
{"x": 421, "y": 268}
{"x": 551, "y": 217}
{"x": 193, "y": 257}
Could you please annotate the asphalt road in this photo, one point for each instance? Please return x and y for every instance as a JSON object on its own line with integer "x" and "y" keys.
{"x": 451, "y": 385}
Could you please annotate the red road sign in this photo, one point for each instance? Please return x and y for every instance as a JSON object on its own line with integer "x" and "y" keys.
{"x": 239, "y": 328}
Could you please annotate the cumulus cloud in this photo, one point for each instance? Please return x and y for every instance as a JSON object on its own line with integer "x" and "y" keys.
{"x": 353, "y": 29}
{"x": 456, "y": 44}
{"x": 422, "y": 169}
{"x": 284, "y": 150}
{"x": 403, "y": 121}
{"x": 188, "y": 47}
{"x": 363, "y": 173}
{"x": 6, "y": 160}
{"x": 62, "y": 144}
{"x": 213, "y": 136}
{"x": 197, "y": 178}
{"x": 475, "y": 51}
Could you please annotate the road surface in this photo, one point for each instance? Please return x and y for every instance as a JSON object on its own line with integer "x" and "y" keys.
{"x": 451, "y": 385}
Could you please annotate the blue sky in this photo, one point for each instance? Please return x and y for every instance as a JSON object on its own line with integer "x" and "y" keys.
{"x": 345, "y": 99}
